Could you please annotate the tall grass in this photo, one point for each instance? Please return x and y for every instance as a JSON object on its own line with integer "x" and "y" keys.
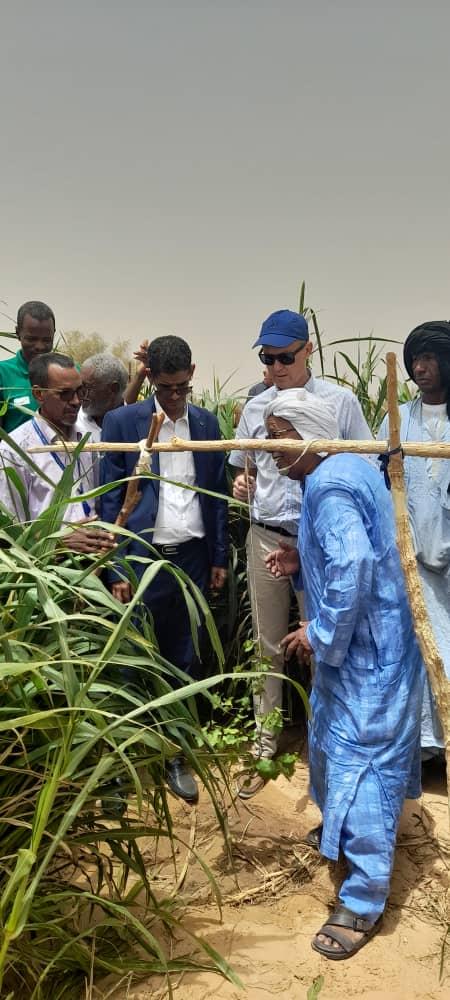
{"x": 89, "y": 714}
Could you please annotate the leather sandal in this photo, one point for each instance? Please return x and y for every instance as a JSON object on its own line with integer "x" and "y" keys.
{"x": 247, "y": 785}
{"x": 314, "y": 837}
{"x": 345, "y": 918}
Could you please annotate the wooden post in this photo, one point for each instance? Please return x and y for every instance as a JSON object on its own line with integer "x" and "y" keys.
{"x": 440, "y": 685}
{"x": 133, "y": 493}
{"x": 422, "y": 449}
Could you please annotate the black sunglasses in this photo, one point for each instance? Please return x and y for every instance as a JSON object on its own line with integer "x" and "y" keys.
{"x": 286, "y": 358}
{"x": 67, "y": 395}
{"x": 181, "y": 389}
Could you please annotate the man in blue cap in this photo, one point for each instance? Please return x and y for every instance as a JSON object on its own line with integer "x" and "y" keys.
{"x": 285, "y": 349}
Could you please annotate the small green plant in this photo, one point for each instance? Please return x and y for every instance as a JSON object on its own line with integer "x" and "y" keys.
{"x": 271, "y": 768}
{"x": 315, "y": 988}
{"x": 232, "y": 725}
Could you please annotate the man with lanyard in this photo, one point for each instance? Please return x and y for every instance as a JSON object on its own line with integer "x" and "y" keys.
{"x": 285, "y": 349}
{"x": 427, "y": 418}
{"x": 35, "y": 330}
{"x": 56, "y": 387}
{"x": 187, "y": 527}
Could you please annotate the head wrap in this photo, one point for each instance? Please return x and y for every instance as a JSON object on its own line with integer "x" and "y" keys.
{"x": 433, "y": 337}
{"x": 311, "y": 416}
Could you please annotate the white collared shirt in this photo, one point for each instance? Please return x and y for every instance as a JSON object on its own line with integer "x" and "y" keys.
{"x": 278, "y": 499}
{"x": 38, "y": 492}
{"x": 179, "y": 516}
{"x": 87, "y": 425}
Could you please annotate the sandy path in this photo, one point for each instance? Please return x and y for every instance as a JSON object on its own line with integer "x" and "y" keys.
{"x": 269, "y": 919}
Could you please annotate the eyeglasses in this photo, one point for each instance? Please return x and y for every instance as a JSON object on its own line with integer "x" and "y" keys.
{"x": 67, "y": 395}
{"x": 280, "y": 435}
{"x": 182, "y": 389}
{"x": 285, "y": 358}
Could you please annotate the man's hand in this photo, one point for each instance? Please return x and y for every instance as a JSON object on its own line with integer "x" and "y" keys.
{"x": 297, "y": 642}
{"x": 122, "y": 592}
{"x": 141, "y": 355}
{"x": 137, "y": 380}
{"x": 218, "y": 577}
{"x": 244, "y": 487}
{"x": 283, "y": 561}
{"x": 90, "y": 540}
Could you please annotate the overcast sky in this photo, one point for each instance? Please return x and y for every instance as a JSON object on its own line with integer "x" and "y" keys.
{"x": 179, "y": 168}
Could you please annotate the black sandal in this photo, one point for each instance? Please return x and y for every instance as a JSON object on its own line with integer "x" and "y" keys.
{"x": 314, "y": 837}
{"x": 345, "y": 918}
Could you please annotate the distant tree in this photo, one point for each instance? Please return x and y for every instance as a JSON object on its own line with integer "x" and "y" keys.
{"x": 80, "y": 346}
{"x": 121, "y": 350}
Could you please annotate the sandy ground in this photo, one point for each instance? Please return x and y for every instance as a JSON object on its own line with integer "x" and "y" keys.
{"x": 279, "y": 893}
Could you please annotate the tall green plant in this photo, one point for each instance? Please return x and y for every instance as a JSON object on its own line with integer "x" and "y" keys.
{"x": 361, "y": 373}
{"x": 75, "y": 732}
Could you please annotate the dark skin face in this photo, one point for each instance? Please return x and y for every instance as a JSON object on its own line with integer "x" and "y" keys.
{"x": 426, "y": 375}
{"x": 172, "y": 390}
{"x": 293, "y": 464}
{"x": 59, "y": 402}
{"x": 98, "y": 396}
{"x": 36, "y": 337}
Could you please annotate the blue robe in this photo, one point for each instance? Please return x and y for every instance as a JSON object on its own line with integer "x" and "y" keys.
{"x": 428, "y": 489}
{"x": 364, "y": 744}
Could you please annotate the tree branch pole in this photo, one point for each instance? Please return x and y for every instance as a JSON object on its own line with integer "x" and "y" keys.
{"x": 419, "y": 448}
{"x": 440, "y": 685}
{"x": 133, "y": 493}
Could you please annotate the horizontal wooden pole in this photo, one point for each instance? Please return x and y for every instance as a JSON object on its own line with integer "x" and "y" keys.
{"x": 419, "y": 448}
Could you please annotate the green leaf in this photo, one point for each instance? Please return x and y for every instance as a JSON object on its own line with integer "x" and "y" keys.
{"x": 315, "y": 989}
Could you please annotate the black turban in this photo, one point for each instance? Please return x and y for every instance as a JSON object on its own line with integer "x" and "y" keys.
{"x": 433, "y": 337}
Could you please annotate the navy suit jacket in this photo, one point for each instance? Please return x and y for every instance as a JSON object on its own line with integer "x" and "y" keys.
{"x": 131, "y": 423}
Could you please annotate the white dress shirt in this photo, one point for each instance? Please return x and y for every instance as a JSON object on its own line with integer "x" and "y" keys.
{"x": 87, "y": 425}
{"x": 179, "y": 516}
{"x": 38, "y": 491}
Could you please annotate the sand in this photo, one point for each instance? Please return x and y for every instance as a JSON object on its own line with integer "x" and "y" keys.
{"x": 279, "y": 894}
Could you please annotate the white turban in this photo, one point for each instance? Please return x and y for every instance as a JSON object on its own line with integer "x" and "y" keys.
{"x": 311, "y": 416}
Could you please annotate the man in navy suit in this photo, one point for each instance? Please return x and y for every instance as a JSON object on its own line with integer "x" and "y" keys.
{"x": 188, "y": 528}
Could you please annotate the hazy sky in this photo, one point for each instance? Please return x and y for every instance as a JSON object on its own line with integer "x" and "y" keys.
{"x": 179, "y": 168}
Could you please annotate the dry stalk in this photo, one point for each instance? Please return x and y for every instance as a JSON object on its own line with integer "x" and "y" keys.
{"x": 421, "y": 449}
{"x": 183, "y": 873}
{"x": 440, "y": 686}
{"x": 133, "y": 493}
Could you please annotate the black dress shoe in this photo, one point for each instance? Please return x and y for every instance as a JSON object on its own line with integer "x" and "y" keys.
{"x": 114, "y": 801}
{"x": 180, "y": 780}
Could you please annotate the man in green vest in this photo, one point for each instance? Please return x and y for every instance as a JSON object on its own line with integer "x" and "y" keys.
{"x": 35, "y": 330}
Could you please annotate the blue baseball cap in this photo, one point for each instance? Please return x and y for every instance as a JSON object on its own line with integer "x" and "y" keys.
{"x": 282, "y": 328}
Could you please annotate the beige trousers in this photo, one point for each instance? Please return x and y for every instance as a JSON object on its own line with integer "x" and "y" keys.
{"x": 270, "y": 602}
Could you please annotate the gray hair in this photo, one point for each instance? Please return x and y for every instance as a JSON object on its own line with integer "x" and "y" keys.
{"x": 108, "y": 368}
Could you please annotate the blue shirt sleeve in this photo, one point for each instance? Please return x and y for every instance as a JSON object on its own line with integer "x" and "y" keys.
{"x": 348, "y": 565}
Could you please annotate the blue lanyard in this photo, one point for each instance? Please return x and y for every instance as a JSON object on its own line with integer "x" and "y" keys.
{"x": 40, "y": 433}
